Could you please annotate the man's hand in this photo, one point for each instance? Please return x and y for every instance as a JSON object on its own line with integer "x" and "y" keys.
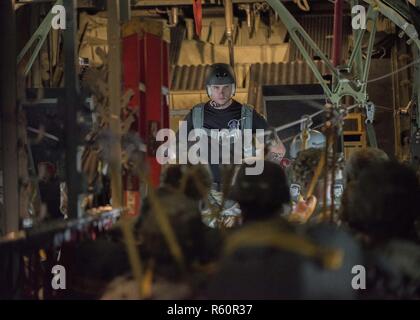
{"x": 276, "y": 152}
{"x": 303, "y": 210}
{"x": 275, "y": 149}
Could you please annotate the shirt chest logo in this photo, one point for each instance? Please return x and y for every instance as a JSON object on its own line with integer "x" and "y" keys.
{"x": 234, "y": 124}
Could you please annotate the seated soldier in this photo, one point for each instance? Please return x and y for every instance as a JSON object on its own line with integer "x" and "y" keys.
{"x": 381, "y": 209}
{"x": 263, "y": 196}
{"x": 193, "y": 181}
{"x": 362, "y": 159}
{"x": 307, "y": 187}
{"x": 175, "y": 263}
{"x": 268, "y": 258}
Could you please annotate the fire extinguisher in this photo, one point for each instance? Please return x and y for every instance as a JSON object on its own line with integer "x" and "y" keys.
{"x": 132, "y": 197}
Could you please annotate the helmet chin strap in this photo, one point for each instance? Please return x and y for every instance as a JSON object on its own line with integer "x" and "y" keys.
{"x": 214, "y": 104}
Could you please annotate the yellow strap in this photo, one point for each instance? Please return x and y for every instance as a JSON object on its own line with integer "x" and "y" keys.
{"x": 265, "y": 235}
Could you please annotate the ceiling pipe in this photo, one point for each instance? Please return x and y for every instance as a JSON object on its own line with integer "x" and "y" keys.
{"x": 229, "y": 30}
{"x": 338, "y": 32}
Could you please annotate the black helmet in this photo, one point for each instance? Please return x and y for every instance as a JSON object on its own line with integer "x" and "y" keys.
{"x": 220, "y": 74}
{"x": 198, "y": 179}
{"x": 261, "y": 195}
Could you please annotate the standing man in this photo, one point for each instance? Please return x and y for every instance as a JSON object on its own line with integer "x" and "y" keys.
{"x": 222, "y": 112}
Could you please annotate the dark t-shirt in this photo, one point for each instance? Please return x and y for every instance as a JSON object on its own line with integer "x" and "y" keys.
{"x": 229, "y": 118}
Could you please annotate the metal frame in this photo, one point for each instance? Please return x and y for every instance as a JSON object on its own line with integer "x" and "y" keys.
{"x": 412, "y": 33}
{"x": 9, "y": 211}
{"x": 296, "y": 30}
{"x": 39, "y": 37}
{"x": 70, "y": 104}
{"x": 68, "y": 98}
{"x": 416, "y": 86}
{"x": 114, "y": 85}
{"x": 356, "y": 88}
{"x": 343, "y": 87}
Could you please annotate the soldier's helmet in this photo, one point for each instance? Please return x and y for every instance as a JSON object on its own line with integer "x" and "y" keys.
{"x": 382, "y": 202}
{"x": 316, "y": 140}
{"x": 197, "y": 179}
{"x": 260, "y": 196}
{"x": 220, "y": 74}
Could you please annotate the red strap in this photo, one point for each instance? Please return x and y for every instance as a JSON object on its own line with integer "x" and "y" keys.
{"x": 198, "y": 16}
